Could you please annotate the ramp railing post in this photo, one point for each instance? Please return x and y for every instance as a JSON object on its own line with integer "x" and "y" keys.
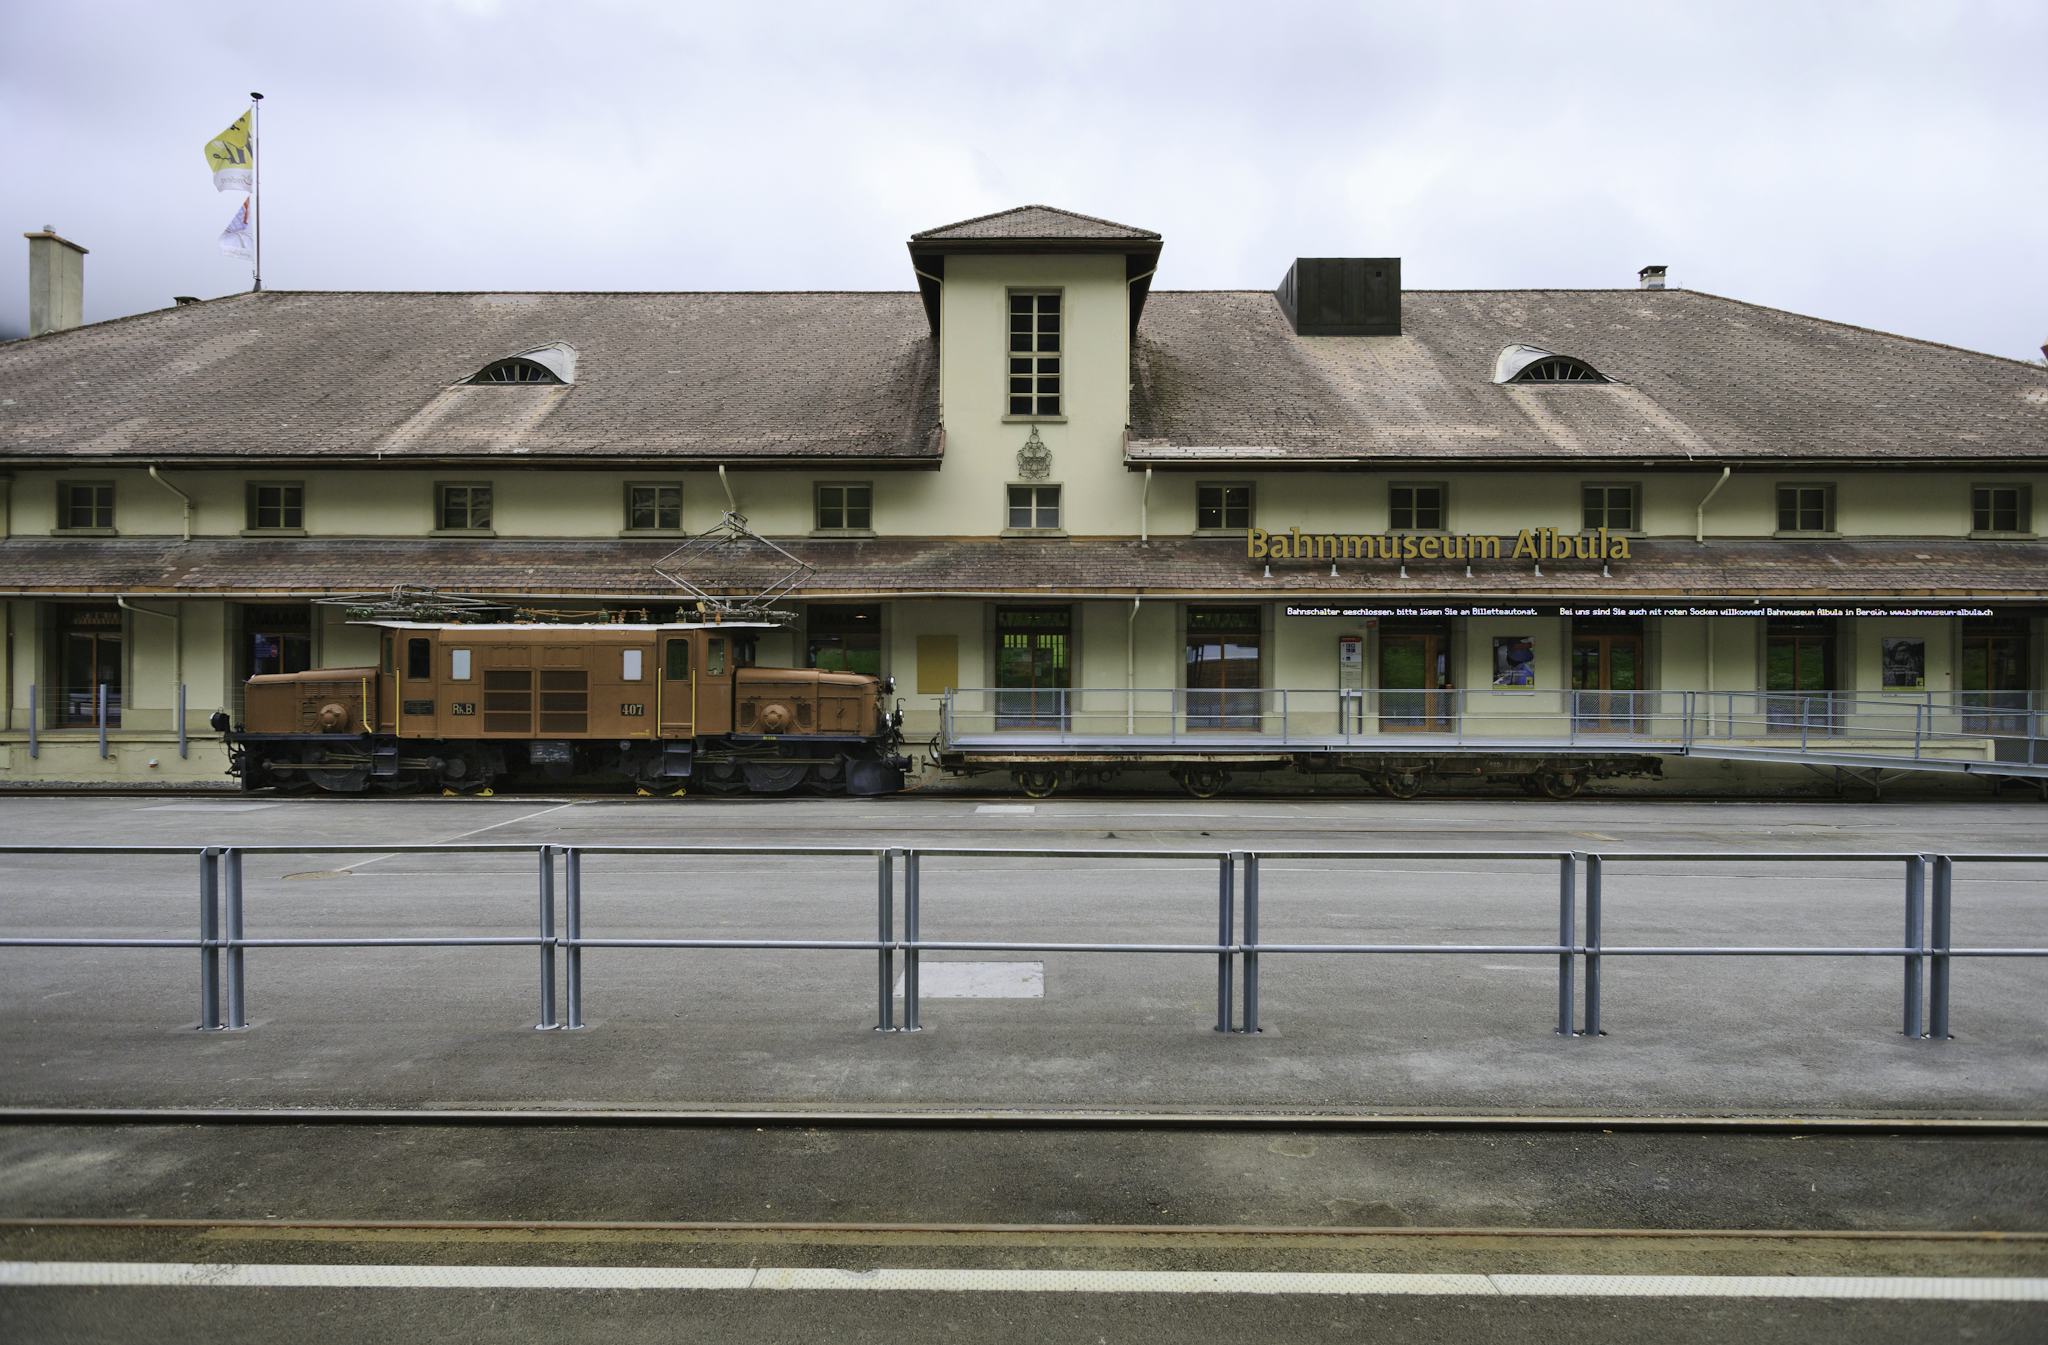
{"x": 1251, "y": 941}
{"x": 1594, "y": 869}
{"x": 547, "y": 940}
{"x": 885, "y": 937}
{"x": 35, "y": 748}
{"x": 238, "y": 1017}
{"x": 1915, "y": 941}
{"x": 1226, "y": 885}
{"x": 911, "y": 1022}
{"x": 1567, "y": 920}
{"x": 184, "y": 748}
{"x": 209, "y": 940}
{"x": 1944, "y": 893}
{"x": 100, "y": 715}
{"x": 572, "y": 916}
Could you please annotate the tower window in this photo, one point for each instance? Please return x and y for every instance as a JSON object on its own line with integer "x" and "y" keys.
{"x": 1034, "y": 378}
{"x": 1034, "y": 508}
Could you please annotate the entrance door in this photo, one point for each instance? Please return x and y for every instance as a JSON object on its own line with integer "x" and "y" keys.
{"x": 1607, "y": 671}
{"x": 88, "y": 643}
{"x": 1997, "y": 683}
{"x": 1223, "y": 668}
{"x": 1033, "y": 675}
{"x": 1799, "y": 676}
{"x": 1415, "y": 681}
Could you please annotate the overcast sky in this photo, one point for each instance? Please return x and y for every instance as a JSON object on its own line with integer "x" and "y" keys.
{"x": 1876, "y": 163}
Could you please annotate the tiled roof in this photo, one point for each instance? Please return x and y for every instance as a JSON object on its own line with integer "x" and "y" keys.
{"x": 695, "y": 377}
{"x": 1221, "y": 376}
{"x": 1031, "y": 222}
{"x": 1049, "y": 568}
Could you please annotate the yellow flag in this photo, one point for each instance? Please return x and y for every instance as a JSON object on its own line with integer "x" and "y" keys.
{"x": 230, "y": 156}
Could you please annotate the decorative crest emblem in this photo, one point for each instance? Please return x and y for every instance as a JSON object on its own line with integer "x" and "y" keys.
{"x": 1034, "y": 460}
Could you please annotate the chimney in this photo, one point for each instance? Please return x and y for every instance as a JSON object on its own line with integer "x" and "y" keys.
{"x": 56, "y": 282}
{"x": 1342, "y": 296}
{"x": 1651, "y": 278}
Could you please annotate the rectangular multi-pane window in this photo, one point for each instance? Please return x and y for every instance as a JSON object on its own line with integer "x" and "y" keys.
{"x": 1806, "y": 508}
{"x": 1034, "y": 353}
{"x": 1222, "y": 506}
{"x": 85, "y": 504}
{"x": 1607, "y": 505}
{"x": 1034, "y": 506}
{"x": 276, "y": 506}
{"x": 463, "y": 507}
{"x": 654, "y": 506}
{"x": 1414, "y": 506}
{"x": 845, "y": 506}
{"x": 2000, "y": 509}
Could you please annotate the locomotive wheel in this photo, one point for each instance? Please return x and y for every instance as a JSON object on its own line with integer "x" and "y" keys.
{"x": 1038, "y": 784}
{"x": 1559, "y": 784}
{"x": 1401, "y": 785}
{"x": 719, "y": 777}
{"x": 774, "y": 777}
{"x": 1202, "y": 782}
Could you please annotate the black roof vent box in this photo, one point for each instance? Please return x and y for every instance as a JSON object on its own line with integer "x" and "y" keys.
{"x": 1342, "y": 296}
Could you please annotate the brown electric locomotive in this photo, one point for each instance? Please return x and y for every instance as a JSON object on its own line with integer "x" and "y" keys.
{"x": 664, "y": 706}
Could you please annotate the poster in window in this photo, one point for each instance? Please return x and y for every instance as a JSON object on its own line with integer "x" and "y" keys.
{"x": 1514, "y": 661}
{"x": 1905, "y": 664}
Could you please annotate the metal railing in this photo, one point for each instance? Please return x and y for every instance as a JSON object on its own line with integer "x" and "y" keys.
{"x": 103, "y": 705}
{"x": 1585, "y": 895}
{"x": 2004, "y": 731}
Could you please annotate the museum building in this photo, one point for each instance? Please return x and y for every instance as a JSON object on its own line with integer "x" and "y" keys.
{"x": 1040, "y": 492}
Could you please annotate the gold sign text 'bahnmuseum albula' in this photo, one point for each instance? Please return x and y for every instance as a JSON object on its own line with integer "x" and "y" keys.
{"x": 1528, "y": 544}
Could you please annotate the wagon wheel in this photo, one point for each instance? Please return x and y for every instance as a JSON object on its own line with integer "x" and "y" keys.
{"x": 1202, "y": 782}
{"x": 1560, "y": 784}
{"x": 1038, "y": 784}
{"x": 1401, "y": 784}
{"x": 774, "y": 777}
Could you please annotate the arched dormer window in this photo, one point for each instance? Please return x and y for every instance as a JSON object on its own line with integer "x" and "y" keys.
{"x": 554, "y": 363}
{"x": 516, "y": 371}
{"x": 1533, "y": 364}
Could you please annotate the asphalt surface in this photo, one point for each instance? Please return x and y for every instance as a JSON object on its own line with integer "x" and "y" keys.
{"x": 438, "y": 1028}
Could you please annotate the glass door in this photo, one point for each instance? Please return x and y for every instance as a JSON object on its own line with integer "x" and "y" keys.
{"x": 1223, "y": 668}
{"x": 1033, "y": 677}
{"x": 1799, "y": 677}
{"x": 88, "y": 643}
{"x": 1996, "y": 682}
{"x": 1607, "y": 672}
{"x": 1415, "y": 681}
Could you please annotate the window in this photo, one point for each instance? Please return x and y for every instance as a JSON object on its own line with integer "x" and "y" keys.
{"x": 462, "y": 507}
{"x": 419, "y": 659}
{"x": 1806, "y": 508}
{"x": 276, "y": 506}
{"x": 1034, "y": 354}
{"x": 1221, "y": 506}
{"x": 714, "y": 658}
{"x": 458, "y": 665}
{"x": 678, "y": 666}
{"x": 516, "y": 371}
{"x": 1609, "y": 506}
{"x": 1559, "y": 369}
{"x": 654, "y": 506}
{"x": 85, "y": 506}
{"x": 845, "y": 506}
{"x": 844, "y": 639}
{"x": 1415, "y": 506}
{"x": 86, "y": 647}
{"x": 1036, "y": 508}
{"x": 629, "y": 665}
{"x": 2000, "y": 509}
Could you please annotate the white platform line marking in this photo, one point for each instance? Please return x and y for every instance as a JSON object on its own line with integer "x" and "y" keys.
{"x": 151, "y": 1274}
{"x": 450, "y": 840}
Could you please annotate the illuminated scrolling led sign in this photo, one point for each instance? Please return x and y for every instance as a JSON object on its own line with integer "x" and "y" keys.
{"x": 1529, "y": 544}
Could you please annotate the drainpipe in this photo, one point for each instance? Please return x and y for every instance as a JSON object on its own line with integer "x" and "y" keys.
{"x": 1145, "y": 511}
{"x": 177, "y": 621}
{"x": 731, "y": 505}
{"x": 1699, "y": 531}
{"x": 157, "y": 477}
{"x": 1131, "y": 665}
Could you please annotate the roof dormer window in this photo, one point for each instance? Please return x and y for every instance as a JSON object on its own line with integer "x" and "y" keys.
{"x": 554, "y": 363}
{"x": 1533, "y": 364}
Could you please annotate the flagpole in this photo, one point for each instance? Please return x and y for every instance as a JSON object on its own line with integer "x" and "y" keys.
{"x": 256, "y": 187}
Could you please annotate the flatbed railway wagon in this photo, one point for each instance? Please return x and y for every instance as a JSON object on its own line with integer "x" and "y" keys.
{"x": 667, "y": 707}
